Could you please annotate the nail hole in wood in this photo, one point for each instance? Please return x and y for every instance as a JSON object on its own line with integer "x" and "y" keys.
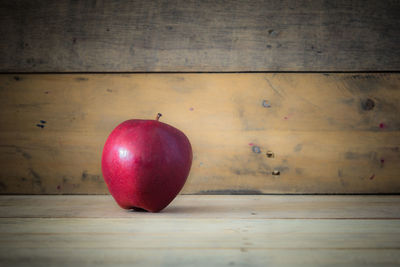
{"x": 256, "y": 149}
{"x": 276, "y": 172}
{"x": 266, "y": 104}
{"x": 270, "y": 154}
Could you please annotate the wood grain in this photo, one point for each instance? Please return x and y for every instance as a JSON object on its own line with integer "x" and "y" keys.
{"x": 217, "y": 207}
{"x": 198, "y": 234}
{"x": 201, "y": 230}
{"x": 198, "y": 257}
{"x": 182, "y": 35}
{"x": 330, "y": 133}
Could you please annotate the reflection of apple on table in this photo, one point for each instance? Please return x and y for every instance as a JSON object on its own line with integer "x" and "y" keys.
{"x": 145, "y": 164}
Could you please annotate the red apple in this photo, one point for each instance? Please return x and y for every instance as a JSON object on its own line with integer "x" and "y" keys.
{"x": 145, "y": 164}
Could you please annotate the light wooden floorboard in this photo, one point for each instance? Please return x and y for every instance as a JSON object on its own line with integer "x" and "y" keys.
{"x": 196, "y": 257}
{"x": 211, "y": 206}
{"x": 201, "y": 231}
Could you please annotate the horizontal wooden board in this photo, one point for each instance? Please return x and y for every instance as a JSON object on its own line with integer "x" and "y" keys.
{"x": 198, "y": 257}
{"x": 201, "y": 230}
{"x": 329, "y": 133}
{"x": 198, "y": 234}
{"x": 206, "y": 207}
{"x": 188, "y": 35}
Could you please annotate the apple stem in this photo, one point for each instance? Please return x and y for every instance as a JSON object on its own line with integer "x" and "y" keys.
{"x": 158, "y": 116}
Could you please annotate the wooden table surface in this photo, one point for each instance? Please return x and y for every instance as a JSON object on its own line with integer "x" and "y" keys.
{"x": 251, "y": 230}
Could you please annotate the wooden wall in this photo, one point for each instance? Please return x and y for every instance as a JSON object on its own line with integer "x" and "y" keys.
{"x": 189, "y": 35}
{"x": 330, "y": 133}
{"x": 63, "y": 89}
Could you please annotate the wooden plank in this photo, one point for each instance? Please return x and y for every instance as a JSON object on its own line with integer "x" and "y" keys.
{"x": 198, "y": 233}
{"x": 333, "y": 133}
{"x": 215, "y": 207}
{"x": 198, "y": 257}
{"x": 181, "y": 35}
{"x": 186, "y": 237}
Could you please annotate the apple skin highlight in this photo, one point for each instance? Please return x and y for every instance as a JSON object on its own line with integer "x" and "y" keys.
{"x": 145, "y": 164}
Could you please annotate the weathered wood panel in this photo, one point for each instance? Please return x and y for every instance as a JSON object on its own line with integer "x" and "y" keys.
{"x": 201, "y": 230}
{"x": 210, "y": 206}
{"x": 188, "y": 35}
{"x": 188, "y": 234}
{"x": 176, "y": 257}
{"x": 337, "y": 133}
